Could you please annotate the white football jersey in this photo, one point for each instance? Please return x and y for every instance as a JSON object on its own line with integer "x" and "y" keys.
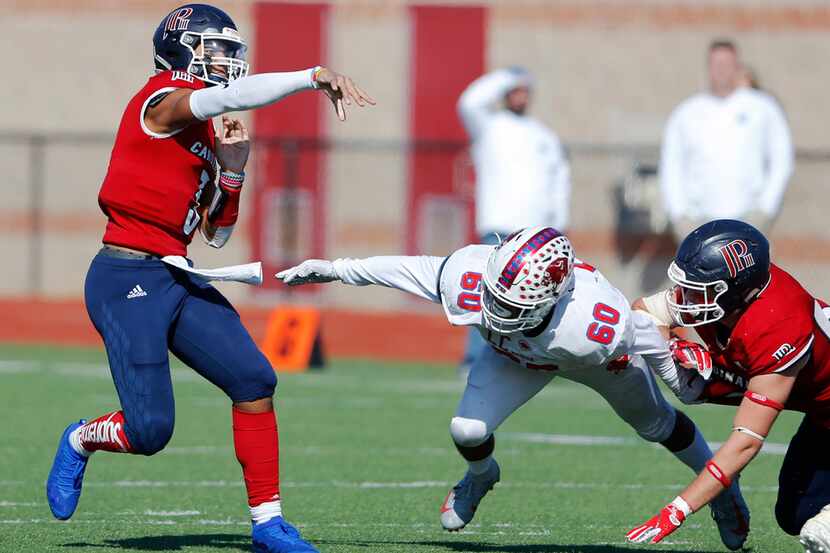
{"x": 591, "y": 324}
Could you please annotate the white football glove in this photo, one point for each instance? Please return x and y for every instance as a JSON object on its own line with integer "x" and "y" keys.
{"x": 311, "y": 271}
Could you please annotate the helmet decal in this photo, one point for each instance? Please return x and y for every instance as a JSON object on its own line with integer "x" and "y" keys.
{"x": 737, "y": 257}
{"x": 533, "y": 245}
{"x": 178, "y": 20}
{"x": 557, "y": 272}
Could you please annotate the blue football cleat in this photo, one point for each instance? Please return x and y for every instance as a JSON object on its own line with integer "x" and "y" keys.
{"x": 278, "y": 536}
{"x": 63, "y": 488}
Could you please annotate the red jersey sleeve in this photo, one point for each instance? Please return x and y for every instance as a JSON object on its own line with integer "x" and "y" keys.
{"x": 774, "y": 344}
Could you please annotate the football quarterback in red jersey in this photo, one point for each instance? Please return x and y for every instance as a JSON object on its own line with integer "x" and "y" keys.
{"x": 761, "y": 328}
{"x": 170, "y": 174}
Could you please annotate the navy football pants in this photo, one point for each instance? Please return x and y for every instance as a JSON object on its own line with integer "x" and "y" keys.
{"x": 142, "y": 308}
{"x": 804, "y": 481}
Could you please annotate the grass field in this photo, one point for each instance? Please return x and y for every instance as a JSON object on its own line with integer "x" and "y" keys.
{"x": 366, "y": 462}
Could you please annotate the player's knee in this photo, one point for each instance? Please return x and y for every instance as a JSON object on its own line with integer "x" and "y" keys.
{"x": 658, "y": 429}
{"x": 468, "y": 432}
{"x": 682, "y": 435}
{"x": 265, "y": 381}
{"x": 151, "y": 433}
{"x": 259, "y": 383}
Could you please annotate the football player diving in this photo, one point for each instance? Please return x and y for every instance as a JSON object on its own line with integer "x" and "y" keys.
{"x": 543, "y": 314}
{"x": 170, "y": 174}
{"x": 760, "y": 329}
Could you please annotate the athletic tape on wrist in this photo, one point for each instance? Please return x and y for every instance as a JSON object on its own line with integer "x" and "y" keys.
{"x": 231, "y": 179}
{"x": 719, "y": 475}
{"x": 314, "y": 72}
{"x": 761, "y": 399}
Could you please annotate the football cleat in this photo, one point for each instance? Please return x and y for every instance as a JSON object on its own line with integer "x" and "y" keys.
{"x": 63, "y": 488}
{"x": 462, "y": 501}
{"x": 815, "y": 534}
{"x": 731, "y": 513}
{"x": 278, "y": 536}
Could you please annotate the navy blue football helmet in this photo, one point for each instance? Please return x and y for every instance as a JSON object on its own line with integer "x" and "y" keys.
{"x": 203, "y": 41}
{"x": 719, "y": 269}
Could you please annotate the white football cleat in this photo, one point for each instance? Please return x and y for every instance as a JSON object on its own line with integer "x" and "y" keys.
{"x": 462, "y": 501}
{"x": 815, "y": 534}
{"x": 731, "y": 513}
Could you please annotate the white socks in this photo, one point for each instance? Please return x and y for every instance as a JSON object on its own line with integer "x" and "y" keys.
{"x": 266, "y": 511}
{"x": 480, "y": 467}
{"x": 75, "y": 442}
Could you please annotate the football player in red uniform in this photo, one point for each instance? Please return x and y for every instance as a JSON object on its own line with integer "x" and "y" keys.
{"x": 766, "y": 332}
{"x": 168, "y": 176}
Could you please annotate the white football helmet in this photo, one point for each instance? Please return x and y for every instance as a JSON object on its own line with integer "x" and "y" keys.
{"x": 525, "y": 276}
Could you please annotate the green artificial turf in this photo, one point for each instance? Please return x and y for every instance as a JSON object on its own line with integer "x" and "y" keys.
{"x": 366, "y": 462}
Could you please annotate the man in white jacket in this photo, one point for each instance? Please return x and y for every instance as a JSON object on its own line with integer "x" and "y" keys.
{"x": 522, "y": 173}
{"x": 727, "y": 152}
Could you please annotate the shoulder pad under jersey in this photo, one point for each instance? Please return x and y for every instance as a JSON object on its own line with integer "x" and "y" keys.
{"x": 460, "y": 284}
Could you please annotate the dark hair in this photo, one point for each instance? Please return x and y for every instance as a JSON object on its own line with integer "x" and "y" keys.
{"x": 724, "y": 43}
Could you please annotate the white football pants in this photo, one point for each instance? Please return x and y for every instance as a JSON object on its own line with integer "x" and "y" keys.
{"x": 497, "y": 386}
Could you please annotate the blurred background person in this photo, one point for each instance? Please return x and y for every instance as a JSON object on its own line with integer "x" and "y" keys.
{"x": 522, "y": 172}
{"x": 726, "y": 152}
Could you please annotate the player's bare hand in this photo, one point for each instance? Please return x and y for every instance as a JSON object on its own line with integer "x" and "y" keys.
{"x": 232, "y": 145}
{"x": 312, "y": 271}
{"x": 341, "y": 90}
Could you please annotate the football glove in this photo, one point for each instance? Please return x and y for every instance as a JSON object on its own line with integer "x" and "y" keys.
{"x": 311, "y": 271}
{"x": 692, "y": 356}
{"x": 662, "y": 524}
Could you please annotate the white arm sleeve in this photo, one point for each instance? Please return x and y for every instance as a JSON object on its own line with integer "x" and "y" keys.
{"x": 248, "y": 93}
{"x": 650, "y": 344}
{"x": 476, "y": 103}
{"x": 779, "y": 159}
{"x": 672, "y": 169}
{"x": 417, "y": 275}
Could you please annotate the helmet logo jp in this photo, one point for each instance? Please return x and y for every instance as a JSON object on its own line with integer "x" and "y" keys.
{"x": 737, "y": 257}
{"x": 178, "y": 20}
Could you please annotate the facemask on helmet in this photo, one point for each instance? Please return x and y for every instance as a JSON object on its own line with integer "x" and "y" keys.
{"x": 694, "y": 303}
{"x": 218, "y": 58}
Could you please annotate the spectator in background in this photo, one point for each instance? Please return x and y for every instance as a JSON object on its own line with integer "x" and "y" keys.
{"x": 522, "y": 173}
{"x": 727, "y": 153}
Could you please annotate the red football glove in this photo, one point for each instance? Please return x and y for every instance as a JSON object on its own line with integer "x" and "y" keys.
{"x": 692, "y": 356}
{"x": 662, "y": 524}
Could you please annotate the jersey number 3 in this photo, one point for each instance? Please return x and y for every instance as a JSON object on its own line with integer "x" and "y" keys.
{"x": 470, "y": 299}
{"x": 602, "y": 329}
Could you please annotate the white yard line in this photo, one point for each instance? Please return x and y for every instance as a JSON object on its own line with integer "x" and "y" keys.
{"x": 770, "y": 448}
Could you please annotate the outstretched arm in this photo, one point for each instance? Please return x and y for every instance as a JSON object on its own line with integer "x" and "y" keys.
{"x": 185, "y": 106}
{"x": 752, "y": 423}
{"x": 417, "y": 275}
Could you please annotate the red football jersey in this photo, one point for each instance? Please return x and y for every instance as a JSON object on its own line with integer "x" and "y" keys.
{"x": 152, "y": 189}
{"x": 784, "y": 324}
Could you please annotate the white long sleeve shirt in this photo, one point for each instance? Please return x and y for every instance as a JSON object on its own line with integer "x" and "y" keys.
{"x": 562, "y": 345}
{"x": 522, "y": 174}
{"x": 725, "y": 157}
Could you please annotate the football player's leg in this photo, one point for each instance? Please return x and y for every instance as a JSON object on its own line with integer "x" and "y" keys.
{"x": 210, "y": 338}
{"x": 495, "y": 388}
{"x": 804, "y": 488}
{"x": 134, "y": 329}
{"x": 635, "y": 397}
